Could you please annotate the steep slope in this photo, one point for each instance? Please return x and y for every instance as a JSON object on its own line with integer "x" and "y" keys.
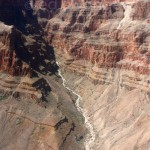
{"x": 104, "y": 51}
{"x": 101, "y": 35}
{"x": 37, "y": 112}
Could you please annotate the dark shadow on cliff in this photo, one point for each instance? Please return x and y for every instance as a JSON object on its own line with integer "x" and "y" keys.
{"x": 44, "y": 87}
{"x": 27, "y": 39}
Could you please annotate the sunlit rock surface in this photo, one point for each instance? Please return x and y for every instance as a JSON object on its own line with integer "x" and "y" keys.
{"x": 104, "y": 52}
{"x": 115, "y": 35}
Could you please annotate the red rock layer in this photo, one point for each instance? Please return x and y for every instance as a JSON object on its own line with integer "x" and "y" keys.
{"x": 76, "y": 3}
{"x": 22, "y": 45}
{"x": 9, "y": 61}
{"x": 110, "y": 36}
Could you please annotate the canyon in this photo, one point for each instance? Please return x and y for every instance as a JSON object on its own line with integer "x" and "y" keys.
{"x": 104, "y": 53}
{"x": 75, "y": 74}
{"x": 37, "y": 112}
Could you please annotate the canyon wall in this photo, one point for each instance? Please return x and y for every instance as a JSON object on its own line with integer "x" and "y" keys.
{"x": 22, "y": 42}
{"x": 112, "y": 36}
{"x": 83, "y": 3}
{"x": 36, "y": 111}
{"x": 104, "y": 54}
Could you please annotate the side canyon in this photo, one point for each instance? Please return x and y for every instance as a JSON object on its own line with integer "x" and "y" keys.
{"x": 98, "y": 95}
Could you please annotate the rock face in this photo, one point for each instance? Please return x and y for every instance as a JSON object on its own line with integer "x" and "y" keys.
{"x": 83, "y": 3}
{"x": 105, "y": 55}
{"x": 22, "y": 44}
{"x": 36, "y": 111}
{"x": 104, "y": 52}
{"x": 8, "y": 57}
{"x": 100, "y": 35}
{"x": 43, "y": 9}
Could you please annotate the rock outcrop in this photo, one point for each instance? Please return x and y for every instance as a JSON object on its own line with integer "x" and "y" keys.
{"x": 108, "y": 36}
{"x": 36, "y": 111}
{"x": 22, "y": 43}
{"x": 104, "y": 52}
{"x": 89, "y": 3}
{"x": 43, "y": 9}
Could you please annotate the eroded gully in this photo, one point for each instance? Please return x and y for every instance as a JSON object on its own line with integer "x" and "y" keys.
{"x": 91, "y": 136}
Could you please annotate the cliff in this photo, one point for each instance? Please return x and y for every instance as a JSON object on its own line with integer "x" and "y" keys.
{"x": 36, "y": 111}
{"x": 104, "y": 52}
{"x": 108, "y": 36}
{"x": 89, "y": 3}
{"x": 22, "y": 42}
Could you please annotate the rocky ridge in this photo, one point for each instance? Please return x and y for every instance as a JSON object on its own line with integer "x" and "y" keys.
{"x": 106, "y": 42}
{"x": 109, "y": 37}
{"x": 37, "y": 112}
{"x": 104, "y": 54}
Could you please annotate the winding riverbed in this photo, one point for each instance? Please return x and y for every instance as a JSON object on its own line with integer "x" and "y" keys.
{"x": 91, "y": 137}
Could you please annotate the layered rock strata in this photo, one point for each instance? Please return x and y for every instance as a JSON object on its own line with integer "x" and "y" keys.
{"x": 112, "y": 36}
{"x": 118, "y": 111}
{"x": 36, "y": 111}
{"x": 104, "y": 41}
{"x": 104, "y": 53}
